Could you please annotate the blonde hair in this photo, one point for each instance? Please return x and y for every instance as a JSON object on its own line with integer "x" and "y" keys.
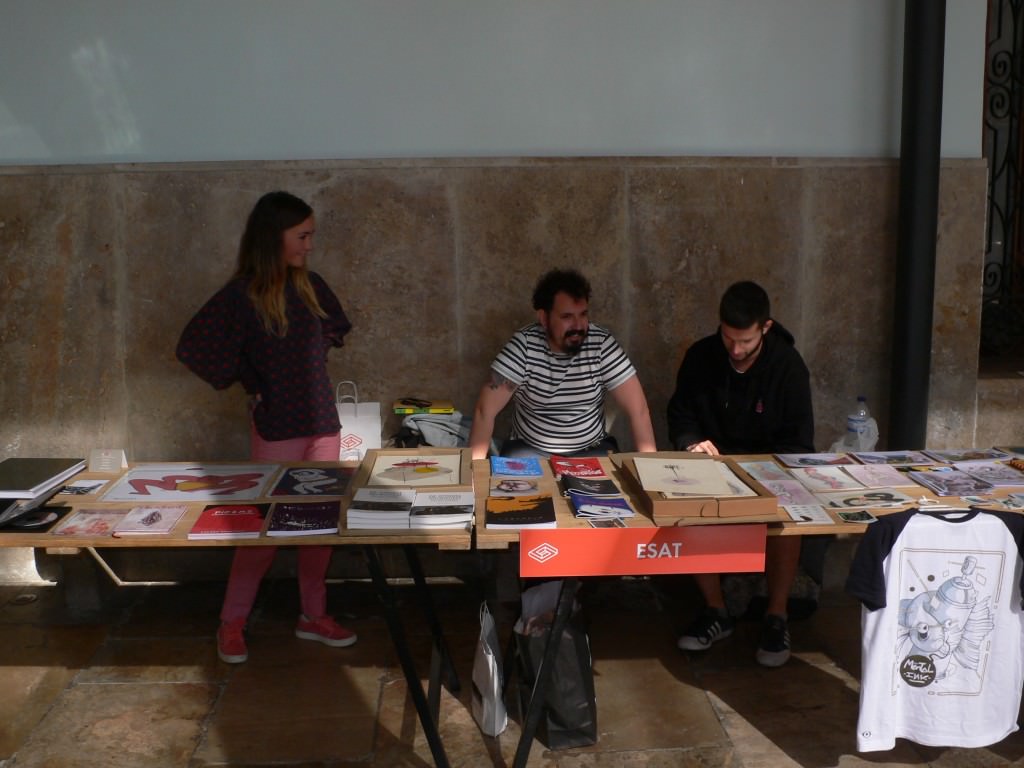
{"x": 259, "y": 260}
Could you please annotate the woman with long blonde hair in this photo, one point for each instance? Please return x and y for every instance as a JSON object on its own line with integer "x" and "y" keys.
{"x": 270, "y": 329}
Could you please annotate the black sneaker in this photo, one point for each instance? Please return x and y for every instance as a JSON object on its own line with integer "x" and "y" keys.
{"x": 773, "y": 648}
{"x": 708, "y": 628}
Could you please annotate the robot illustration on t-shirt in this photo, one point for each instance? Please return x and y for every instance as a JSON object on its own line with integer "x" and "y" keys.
{"x": 943, "y": 631}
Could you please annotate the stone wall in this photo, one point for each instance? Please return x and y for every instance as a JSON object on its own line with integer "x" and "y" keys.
{"x": 435, "y": 262}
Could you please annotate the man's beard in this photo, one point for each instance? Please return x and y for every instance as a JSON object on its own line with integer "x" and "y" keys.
{"x": 572, "y": 342}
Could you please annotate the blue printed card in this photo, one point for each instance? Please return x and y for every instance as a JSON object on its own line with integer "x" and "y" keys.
{"x": 527, "y": 466}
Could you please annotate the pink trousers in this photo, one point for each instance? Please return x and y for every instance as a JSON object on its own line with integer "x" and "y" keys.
{"x": 251, "y": 563}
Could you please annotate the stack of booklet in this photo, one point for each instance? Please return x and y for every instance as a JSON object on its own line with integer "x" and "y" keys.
{"x": 26, "y": 483}
{"x": 591, "y": 493}
{"x": 441, "y": 509}
{"x": 229, "y": 521}
{"x": 518, "y": 512}
{"x": 951, "y": 482}
{"x": 150, "y": 520}
{"x": 304, "y": 518}
{"x": 515, "y": 500}
{"x": 29, "y": 478}
{"x": 380, "y": 508}
{"x": 145, "y": 520}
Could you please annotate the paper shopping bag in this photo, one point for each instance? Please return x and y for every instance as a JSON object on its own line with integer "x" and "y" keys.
{"x": 488, "y": 705}
{"x": 360, "y": 422}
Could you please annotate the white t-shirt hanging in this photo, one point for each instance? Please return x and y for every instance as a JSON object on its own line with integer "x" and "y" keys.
{"x": 942, "y": 628}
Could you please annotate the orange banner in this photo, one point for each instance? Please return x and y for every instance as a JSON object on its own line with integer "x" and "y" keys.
{"x": 641, "y": 551}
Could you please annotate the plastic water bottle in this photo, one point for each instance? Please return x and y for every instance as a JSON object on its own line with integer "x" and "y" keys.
{"x": 861, "y": 428}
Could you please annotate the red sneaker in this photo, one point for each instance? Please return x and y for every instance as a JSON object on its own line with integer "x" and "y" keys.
{"x": 325, "y": 630}
{"x": 231, "y": 642}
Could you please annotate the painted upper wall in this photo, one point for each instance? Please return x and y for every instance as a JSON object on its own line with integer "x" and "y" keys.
{"x": 194, "y": 80}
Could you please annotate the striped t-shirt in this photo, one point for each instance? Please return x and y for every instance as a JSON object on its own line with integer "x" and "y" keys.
{"x": 559, "y": 398}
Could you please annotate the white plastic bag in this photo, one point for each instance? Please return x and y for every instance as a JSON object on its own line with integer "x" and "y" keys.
{"x": 488, "y": 704}
{"x": 360, "y": 422}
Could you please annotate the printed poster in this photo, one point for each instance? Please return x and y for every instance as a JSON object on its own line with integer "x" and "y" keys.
{"x": 693, "y": 477}
{"x": 192, "y": 482}
{"x": 405, "y": 469}
{"x": 313, "y": 481}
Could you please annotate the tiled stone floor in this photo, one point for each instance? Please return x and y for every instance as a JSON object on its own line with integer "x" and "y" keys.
{"x": 137, "y": 683}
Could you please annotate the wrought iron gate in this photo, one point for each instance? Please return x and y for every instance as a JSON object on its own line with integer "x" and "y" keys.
{"x": 1002, "y": 319}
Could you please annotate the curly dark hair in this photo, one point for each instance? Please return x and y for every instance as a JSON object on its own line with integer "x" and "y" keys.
{"x": 560, "y": 281}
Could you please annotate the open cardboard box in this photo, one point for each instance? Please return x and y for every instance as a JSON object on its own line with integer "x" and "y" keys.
{"x": 663, "y": 509}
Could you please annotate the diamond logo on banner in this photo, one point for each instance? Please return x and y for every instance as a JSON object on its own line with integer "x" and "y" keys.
{"x": 543, "y": 552}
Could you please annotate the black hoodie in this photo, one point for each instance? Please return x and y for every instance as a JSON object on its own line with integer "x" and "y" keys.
{"x": 765, "y": 410}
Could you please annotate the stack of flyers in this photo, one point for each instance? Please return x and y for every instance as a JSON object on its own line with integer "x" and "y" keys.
{"x": 376, "y": 508}
{"x": 805, "y": 514}
{"x": 577, "y": 466}
{"x": 951, "y": 482}
{"x": 825, "y": 478}
{"x": 893, "y": 458}
{"x": 878, "y": 475}
{"x": 995, "y": 472}
{"x": 813, "y": 459}
{"x": 955, "y": 456}
{"x": 865, "y": 499}
{"x": 590, "y": 486}
{"x": 593, "y": 506}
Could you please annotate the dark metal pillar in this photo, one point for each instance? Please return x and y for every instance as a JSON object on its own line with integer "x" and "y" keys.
{"x": 920, "y": 140}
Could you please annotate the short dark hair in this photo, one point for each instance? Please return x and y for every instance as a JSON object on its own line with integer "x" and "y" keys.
{"x": 744, "y": 304}
{"x": 560, "y": 281}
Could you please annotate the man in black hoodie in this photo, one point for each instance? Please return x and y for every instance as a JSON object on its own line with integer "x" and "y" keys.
{"x": 745, "y": 389}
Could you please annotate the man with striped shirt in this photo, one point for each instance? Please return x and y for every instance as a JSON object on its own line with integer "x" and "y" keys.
{"x": 556, "y": 372}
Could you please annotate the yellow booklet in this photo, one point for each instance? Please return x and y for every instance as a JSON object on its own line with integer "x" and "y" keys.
{"x": 420, "y": 405}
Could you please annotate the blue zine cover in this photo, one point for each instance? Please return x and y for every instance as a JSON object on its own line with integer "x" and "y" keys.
{"x": 585, "y": 505}
{"x": 527, "y": 466}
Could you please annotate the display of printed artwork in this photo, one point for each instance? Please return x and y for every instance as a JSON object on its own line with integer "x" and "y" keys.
{"x": 967, "y": 454}
{"x": 736, "y": 486}
{"x": 790, "y": 491}
{"x": 694, "y": 477}
{"x": 420, "y": 469}
{"x": 313, "y": 481}
{"x": 878, "y": 475}
{"x": 813, "y": 459}
{"x": 764, "y": 471}
{"x": 90, "y": 522}
{"x": 825, "y": 478}
{"x": 893, "y": 458}
{"x": 864, "y": 499}
{"x": 951, "y": 482}
{"x": 995, "y": 472}
{"x": 192, "y": 482}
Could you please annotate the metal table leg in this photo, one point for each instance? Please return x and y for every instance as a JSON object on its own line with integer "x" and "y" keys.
{"x": 441, "y": 662}
{"x": 566, "y": 598}
{"x": 387, "y": 598}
